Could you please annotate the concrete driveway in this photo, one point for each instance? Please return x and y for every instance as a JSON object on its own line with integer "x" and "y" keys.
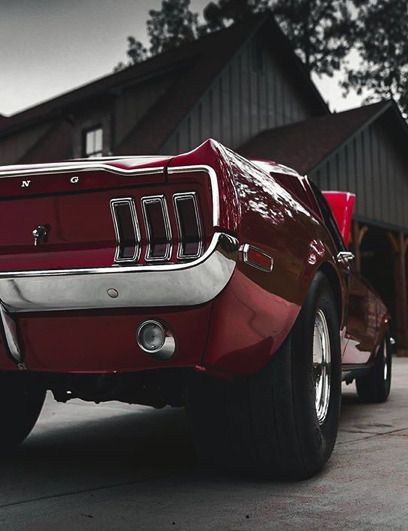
{"x": 120, "y": 467}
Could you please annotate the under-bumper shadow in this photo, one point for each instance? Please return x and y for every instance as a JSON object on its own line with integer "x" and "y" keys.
{"x": 89, "y": 453}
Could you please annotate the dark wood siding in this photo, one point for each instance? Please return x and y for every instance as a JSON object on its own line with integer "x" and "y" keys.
{"x": 372, "y": 166}
{"x": 13, "y": 148}
{"x": 251, "y": 94}
{"x": 118, "y": 116}
{"x": 133, "y": 102}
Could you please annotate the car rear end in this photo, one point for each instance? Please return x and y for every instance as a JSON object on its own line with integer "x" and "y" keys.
{"x": 109, "y": 266}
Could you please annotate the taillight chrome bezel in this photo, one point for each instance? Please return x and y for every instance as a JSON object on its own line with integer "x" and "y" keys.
{"x": 161, "y": 199}
{"x": 129, "y": 201}
{"x": 177, "y": 198}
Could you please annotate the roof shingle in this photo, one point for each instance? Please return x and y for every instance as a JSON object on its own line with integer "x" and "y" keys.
{"x": 303, "y": 145}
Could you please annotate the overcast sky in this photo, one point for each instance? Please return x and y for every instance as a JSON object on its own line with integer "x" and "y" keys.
{"x": 48, "y": 47}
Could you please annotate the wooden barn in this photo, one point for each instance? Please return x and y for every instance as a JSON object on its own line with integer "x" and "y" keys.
{"x": 245, "y": 87}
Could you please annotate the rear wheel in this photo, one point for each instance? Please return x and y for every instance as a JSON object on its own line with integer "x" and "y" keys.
{"x": 375, "y": 384}
{"x": 21, "y": 400}
{"x": 281, "y": 422}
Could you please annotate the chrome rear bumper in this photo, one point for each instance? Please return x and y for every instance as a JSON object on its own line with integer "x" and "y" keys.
{"x": 186, "y": 284}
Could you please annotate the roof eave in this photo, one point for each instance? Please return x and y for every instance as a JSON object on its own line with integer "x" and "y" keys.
{"x": 364, "y": 125}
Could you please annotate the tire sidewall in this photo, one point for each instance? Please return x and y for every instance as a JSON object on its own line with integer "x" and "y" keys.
{"x": 384, "y": 385}
{"x": 316, "y": 441}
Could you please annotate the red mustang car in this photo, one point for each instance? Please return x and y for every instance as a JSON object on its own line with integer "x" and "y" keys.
{"x": 202, "y": 279}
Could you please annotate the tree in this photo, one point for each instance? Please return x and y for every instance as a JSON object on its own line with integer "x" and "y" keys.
{"x": 172, "y": 25}
{"x": 320, "y": 30}
{"x": 218, "y": 15}
{"x": 167, "y": 28}
{"x": 136, "y": 53}
{"x": 382, "y": 44}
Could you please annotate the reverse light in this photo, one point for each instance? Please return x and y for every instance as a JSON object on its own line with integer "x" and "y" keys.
{"x": 154, "y": 339}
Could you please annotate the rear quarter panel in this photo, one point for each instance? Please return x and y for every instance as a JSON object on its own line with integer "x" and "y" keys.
{"x": 367, "y": 322}
{"x": 253, "y": 316}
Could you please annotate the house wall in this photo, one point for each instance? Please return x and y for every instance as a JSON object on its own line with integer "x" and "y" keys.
{"x": 13, "y": 148}
{"x": 134, "y": 102}
{"x": 373, "y": 166}
{"x": 120, "y": 114}
{"x": 253, "y": 93}
{"x": 117, "y": 112}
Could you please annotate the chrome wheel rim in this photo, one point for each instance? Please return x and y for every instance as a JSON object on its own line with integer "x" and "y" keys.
{"x": 385, "y": 355}
{"x": 321, "y": 366}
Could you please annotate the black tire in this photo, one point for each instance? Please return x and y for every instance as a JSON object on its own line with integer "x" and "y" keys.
{"x": 21, "y": 400}
{"x": 374, "y": 385}
{"x": 267, "y": 423}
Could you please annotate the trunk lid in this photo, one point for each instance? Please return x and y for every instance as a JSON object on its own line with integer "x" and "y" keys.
{"x": 70, "y": 203}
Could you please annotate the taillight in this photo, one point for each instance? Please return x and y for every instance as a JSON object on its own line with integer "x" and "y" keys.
{"x": 189, "y": 226}
{"x": 158, "y": 228}
{"x": 126, "y": 229}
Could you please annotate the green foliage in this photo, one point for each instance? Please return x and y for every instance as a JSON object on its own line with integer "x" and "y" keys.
{"x": 381, "y": 40}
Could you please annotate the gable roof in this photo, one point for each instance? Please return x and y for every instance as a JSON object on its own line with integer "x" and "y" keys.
{"x": 197, "y": 64}
{"x": 304, "y": 145}
{"x": 3, "y": 120}
{"x": 211, "y": 55}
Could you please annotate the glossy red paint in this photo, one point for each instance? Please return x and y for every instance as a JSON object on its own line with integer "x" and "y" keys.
{"x": 297, "y": 185}
{"x": 81, "y": 175}
{"x": 367, "y": 322}
{"x": 248, "y": 324}
{"x": 80, "y": 226}
{"x": 213, "y": 155}
{"x": 236, "y": 333}
{"x": 342, "y": 204}
{"x": 289, "y": 230}
{"x": 105, "y": 341}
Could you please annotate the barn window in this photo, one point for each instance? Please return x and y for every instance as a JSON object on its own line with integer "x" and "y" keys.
{"x": 92, "y": 143}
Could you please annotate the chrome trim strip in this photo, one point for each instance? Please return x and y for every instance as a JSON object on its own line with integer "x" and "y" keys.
{"x": 47, "y": 169}
{"x": 131, "y": 204}
{"x": 186, "y": 284}
{"x": 345, "y": 257}
{"x": 244, "y": 253}
{"x": 10, "y": 333}
{"x": 214, "y": 186}
{"x": 176, "y": 199}
{"x": 163, "y": 204}
{"x": 115, "y": 270}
